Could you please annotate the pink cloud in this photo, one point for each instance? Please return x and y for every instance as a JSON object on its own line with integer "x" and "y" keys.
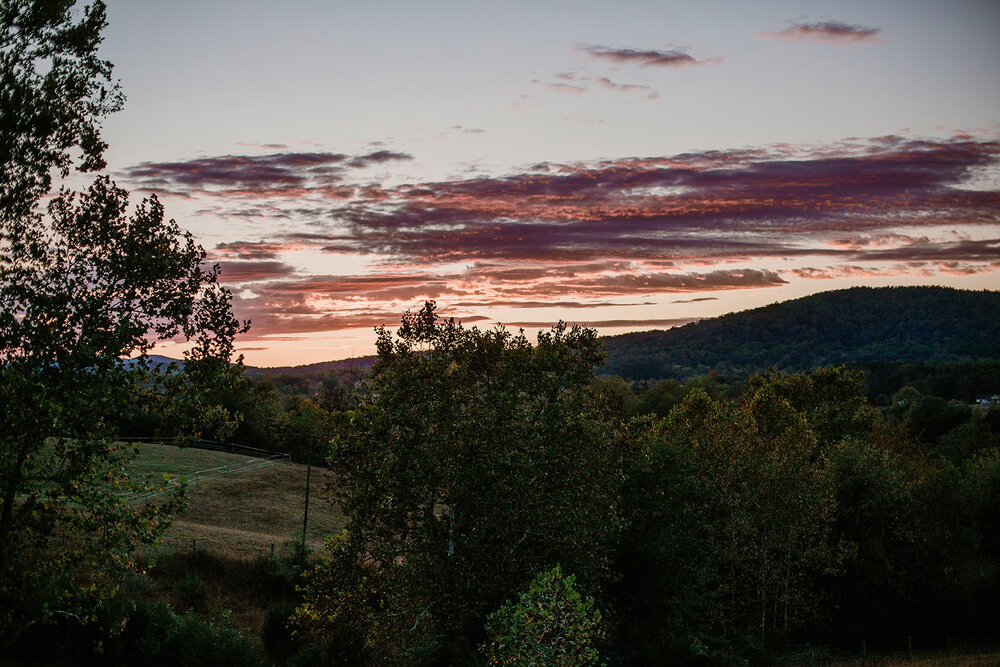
{"x": 235, "y": 272}
{"x": 610, "y": 232}
{"x": 287, "y": 174}
{"x": 568, "y": 88}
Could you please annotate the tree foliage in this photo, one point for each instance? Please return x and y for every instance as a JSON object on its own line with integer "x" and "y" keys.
{"x": 55, "y": 90}
{"x": 550, "y": 624}
{"x": 476, "y": 460}
{"x": 860, "y": 325}
{"x": 757, "y": 516}
{"x": 86, "y": 289}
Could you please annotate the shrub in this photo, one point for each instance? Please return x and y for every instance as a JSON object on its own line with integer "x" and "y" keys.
{"x": 155, "y": 637}
{"x": 549, "y": 625}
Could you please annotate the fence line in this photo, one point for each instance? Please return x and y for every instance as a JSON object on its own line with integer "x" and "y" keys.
{"x": 262, "y": 458}
{"x": 214, "y": 445}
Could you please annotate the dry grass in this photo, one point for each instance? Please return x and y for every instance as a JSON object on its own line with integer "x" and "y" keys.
{"x": 958, "y": 658}
{"x": 216, "y": 550}
{"x": 966, "y": 660}
{"x": 240, "y": 514}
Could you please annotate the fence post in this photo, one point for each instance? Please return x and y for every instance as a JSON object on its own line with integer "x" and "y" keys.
{"x": 909, "y": 648}
{"x": 864, "y": 652}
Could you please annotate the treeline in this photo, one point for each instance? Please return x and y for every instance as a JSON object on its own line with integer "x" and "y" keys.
{"x": 504, "y": 504}
{"x": 286, "y": 413}
{"x": 750, "y": 520}
{"x": 714, "y": 519}
{"x": 962, "y": 381}
{"x": 957, "y": 382}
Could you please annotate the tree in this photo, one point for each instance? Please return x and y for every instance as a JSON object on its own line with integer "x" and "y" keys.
{"x": 666, "y": 600}
{"x": 86, "y": 289}
{"x": 475, "y": 461}
{"x": 879, "y": 517}
{"x": 55, "y": 89}
{"x": 762, "y": 512}
{"x": 551, "y": 624}
{"x": 79, "y": 298}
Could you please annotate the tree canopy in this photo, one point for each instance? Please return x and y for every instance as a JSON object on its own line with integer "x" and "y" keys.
{"x": 475, "y": 461}
{"x": 55, "y": 91}
{"x": 87, "y": 287}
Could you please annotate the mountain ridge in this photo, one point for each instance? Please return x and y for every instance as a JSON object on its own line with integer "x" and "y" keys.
{"x": 849, "y": 326}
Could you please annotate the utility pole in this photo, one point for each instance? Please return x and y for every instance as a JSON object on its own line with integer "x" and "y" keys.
{"x": 305, "y": 513}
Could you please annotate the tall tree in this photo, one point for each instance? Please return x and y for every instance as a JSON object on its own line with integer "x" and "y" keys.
{"x": 86, "y": 289}
{"x": 476, "y": 461}
{"x": 736, "y": 500}
{"x": 54, "y": 90}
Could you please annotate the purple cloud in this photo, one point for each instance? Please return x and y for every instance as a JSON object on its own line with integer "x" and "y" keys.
{"x": 831, "y": 32}
{"x": 277, "y": 174}
{"x": 708, "y": 205}
{"x": 378, "y": 157}
{"x": 612, "y": 232}
{"x": 253, "y": 250}
{"x": 235, "y": 272}
{"x": 986, "y": 250}
{"x": 567, "y": 88}
{"x": 701, "y": 298}
{"x": 643, "y": 57}
{"x": 626, "y": 87}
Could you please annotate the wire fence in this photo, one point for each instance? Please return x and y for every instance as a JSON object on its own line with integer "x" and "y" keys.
{"x": 213, "y": 445}
{"x": 260, "y": 458}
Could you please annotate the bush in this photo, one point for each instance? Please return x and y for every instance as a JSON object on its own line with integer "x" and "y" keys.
{"x": 155, "y": 637}
{"x": 550, "y": 625}
{"x": 277, "y": 636}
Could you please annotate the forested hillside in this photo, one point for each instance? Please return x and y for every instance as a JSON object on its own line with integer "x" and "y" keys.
{"x": 853, "y": 326}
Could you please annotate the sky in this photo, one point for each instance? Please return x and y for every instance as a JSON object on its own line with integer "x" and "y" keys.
{"x": 626, "y": 166}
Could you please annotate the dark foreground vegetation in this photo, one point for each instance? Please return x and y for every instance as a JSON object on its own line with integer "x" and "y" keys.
{"x": 502, "y": 503}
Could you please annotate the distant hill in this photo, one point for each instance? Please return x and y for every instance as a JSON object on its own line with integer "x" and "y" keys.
{"x": 317, "y": 370}
{"x": 157, "y": 360}
{"x": 851, "y": 326}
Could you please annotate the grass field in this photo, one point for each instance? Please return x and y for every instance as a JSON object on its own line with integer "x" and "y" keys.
{"x": 988, "y": 659}
{"x": 240, "y": 513}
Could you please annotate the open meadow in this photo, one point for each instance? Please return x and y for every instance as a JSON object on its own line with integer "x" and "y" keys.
{"x": 239, "y": 505}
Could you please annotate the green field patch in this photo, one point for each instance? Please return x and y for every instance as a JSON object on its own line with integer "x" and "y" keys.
{"x": 239, "y": 505}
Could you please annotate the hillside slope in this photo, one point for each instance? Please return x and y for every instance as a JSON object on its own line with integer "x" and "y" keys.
{"x": 857, "y": 325}
{"x": 235, "y": 508}
{"x": 319, "y": 369}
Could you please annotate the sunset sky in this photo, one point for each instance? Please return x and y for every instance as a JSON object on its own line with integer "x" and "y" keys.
{"x": 627, "y": 165}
